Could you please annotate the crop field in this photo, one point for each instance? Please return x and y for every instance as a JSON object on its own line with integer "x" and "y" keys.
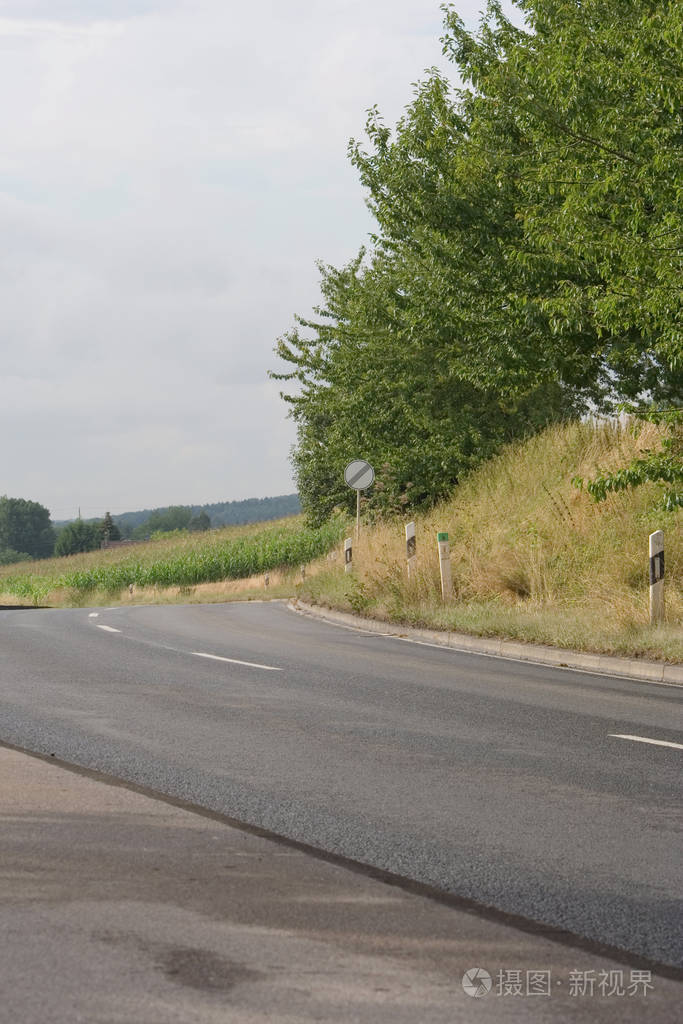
{"x": 178, "y": 560}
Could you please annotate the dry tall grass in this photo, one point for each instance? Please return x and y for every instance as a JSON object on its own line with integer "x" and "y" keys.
{"x": 532, "y": 557}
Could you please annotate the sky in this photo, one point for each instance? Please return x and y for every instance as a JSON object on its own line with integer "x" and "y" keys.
{"x": 170, "y": 171}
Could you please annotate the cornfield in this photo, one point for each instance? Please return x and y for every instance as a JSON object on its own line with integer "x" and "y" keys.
{"x": 215, "y": 558}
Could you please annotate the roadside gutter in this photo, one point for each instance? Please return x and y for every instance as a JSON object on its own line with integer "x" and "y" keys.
{"x": 601, "y": 664}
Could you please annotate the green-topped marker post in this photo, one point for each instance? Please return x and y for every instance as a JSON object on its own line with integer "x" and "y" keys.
{"x": 445, "y": 565}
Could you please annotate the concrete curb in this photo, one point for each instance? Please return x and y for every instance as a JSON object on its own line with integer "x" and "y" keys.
{"x": 602, "y": 664}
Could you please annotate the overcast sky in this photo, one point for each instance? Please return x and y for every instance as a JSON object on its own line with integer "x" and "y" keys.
{"x": 170, "y": 170}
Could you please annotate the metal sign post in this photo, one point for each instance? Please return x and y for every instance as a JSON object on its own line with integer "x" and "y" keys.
{"x": 360, "y": 475}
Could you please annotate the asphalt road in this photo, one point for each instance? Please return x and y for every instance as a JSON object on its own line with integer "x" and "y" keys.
{"x": 502, "y": 782}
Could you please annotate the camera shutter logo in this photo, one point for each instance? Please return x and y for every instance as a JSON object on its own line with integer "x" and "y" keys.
{"x": 477, "y": 982}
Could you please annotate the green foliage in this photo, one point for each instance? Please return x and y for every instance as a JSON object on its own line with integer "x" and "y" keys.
{"x": 25, "y": 527}
{"x": 527, "y": 257}
{"x": 250, "y": 510}
{"x": 77, "y": 537}
{"x": 108, "y": 529}
{"x": 176, "y": 517}
{"x": 168, "y": 535}
{"x": 595, "y": 91}
{"x": 357, "y": 596}
{"x": 370, "y": 387}
{"x": 222, "y": 513}
{"x": 8, "y": 556}
{"x": 199, "y": 523}
{"x": 663, "y": 465}
{"x": 207, "y": 561}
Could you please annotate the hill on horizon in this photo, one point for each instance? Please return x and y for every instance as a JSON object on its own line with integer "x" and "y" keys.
{"x": 222, "y": 513}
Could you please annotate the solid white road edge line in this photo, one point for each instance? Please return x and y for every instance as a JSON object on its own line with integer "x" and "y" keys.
{"x": 646, "y": 739}
{"x": 109, "y": 629}
{"x": 234, "y": 661}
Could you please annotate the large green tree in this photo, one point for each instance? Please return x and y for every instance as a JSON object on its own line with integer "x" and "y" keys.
{"x": 524, "y": 265}
{"x": 25, "y": 527}
{"x": 370, "y": 386}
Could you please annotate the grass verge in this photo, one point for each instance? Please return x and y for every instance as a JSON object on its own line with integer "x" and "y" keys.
{"x": 533, "y": 558}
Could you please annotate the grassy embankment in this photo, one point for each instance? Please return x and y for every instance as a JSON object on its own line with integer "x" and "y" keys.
{"x": 216, "y": 566}
{"x": 533, "y": 558}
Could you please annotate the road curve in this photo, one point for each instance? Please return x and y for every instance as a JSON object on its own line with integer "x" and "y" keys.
{"x": 545, "y": 793}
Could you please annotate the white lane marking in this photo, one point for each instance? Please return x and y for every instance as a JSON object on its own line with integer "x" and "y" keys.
{"x": 94, "y": 615}
{"x": 234, "y": 661}
{"x": 109, "y": 629}
{"x": 646, "y": 739}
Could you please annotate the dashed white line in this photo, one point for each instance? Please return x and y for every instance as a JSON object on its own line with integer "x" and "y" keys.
{"x": 646, "y": 739}
{"x": 235, "y": 661}
{"x": 94, "y": 615}
{"x": 109, "y": 629}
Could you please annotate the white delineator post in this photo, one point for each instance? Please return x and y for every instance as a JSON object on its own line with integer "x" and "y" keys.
{"x": 348, "y": 554}
{"x": 445, "y": 565}
{"x": 656, "y": 577}
{"x": 411, "y": 548}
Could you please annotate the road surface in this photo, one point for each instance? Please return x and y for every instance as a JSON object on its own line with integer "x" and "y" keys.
{"x": 545, "y": 793}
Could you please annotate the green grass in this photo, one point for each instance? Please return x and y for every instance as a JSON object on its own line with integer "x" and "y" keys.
{"x": 180, "y": 561}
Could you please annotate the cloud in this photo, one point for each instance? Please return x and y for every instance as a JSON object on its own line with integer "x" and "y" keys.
{"x": 78, "y": 11}
{"x": 169, "y": 173}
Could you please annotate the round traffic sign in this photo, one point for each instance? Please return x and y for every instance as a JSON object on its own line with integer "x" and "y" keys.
{"x": 359, "y": 474}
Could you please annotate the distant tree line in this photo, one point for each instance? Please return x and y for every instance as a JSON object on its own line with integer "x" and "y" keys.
{"x": 526, "y": 261}
{"x": 176, "y": 517}
{"x": 137, "y": 525}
